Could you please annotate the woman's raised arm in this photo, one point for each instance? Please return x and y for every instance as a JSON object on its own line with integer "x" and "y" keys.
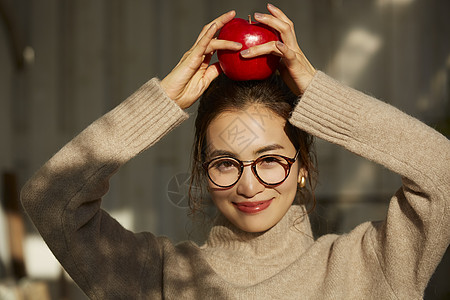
{"x": 63, "y": 198}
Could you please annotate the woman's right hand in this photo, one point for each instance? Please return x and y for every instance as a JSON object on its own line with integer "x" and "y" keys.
{"x": 193, "y": 74}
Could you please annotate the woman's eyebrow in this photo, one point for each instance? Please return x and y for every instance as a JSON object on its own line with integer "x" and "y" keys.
{"x": 218, "y": 152}
{"x": 268, "y": 148}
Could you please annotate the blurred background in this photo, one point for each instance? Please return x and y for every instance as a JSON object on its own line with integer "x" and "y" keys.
{"x": 64, "y": 63}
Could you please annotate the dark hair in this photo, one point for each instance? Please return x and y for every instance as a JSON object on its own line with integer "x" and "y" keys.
{"x": 223, "y": 95}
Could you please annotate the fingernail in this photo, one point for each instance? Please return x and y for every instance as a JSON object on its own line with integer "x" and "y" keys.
{"x": 270, "y": 5}
{"x": 245, "y": 52}
{"x": 280, "y": 44}
{"x": 237, "y": 44}
{"x": 259, "y": 16}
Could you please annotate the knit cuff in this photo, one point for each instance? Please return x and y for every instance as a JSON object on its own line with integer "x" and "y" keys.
{"x": 142, "y": 119}
{"x": 328, "y": 109}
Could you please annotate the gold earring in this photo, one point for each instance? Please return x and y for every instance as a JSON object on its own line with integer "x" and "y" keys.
{"x": 302, "y": 182}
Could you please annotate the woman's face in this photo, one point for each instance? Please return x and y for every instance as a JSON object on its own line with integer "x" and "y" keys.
{"x": 246, "y": 135}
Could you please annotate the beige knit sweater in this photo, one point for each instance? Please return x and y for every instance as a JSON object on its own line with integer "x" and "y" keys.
{"x": 392, "y": 259}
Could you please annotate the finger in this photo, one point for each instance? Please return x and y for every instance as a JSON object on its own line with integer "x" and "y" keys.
{"x": 263, "y": 49}
{"x": 293, "y": 58}
{"x": 289, "y": 56}
{"x": 206, "y": 61}
{"x": 211, "y": 73}
{"x": 286, "y": 29}
{"x": 215, "y": 45}
{"x": 208, "y": 45}
{"x": 300, "y": 69}
{"x": 219, "y": 21}
{"x": 193, "y": 59}
{"x": 278, "y": 13}
{"x": 200, "y": 48}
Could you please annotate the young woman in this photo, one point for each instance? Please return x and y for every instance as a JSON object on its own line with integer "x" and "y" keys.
{"x": 260, "y": 246}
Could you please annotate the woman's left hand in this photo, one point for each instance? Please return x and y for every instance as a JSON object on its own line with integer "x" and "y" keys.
{"x": 295, "y": 68}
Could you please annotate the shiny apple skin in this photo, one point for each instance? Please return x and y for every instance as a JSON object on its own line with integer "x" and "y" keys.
{"x": 233, "y": 64}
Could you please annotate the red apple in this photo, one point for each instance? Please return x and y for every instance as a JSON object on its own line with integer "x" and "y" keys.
{"x": 249, "y": 34}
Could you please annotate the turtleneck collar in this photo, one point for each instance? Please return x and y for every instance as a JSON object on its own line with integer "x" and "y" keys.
{"x": 278, "y": 246}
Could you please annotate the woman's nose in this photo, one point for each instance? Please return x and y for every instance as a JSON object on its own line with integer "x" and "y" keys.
{"x": 248, "y": 185}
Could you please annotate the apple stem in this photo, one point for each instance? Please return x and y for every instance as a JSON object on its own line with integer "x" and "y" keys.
{"x": 249, "y": 19}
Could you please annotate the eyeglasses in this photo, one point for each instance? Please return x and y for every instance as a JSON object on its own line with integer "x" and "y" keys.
{"x": 271, "y": 169}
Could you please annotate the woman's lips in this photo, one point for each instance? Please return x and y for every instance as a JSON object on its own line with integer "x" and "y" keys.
{"x": 253, "y": 206}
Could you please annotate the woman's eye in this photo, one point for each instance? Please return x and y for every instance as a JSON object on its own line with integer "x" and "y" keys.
{"x": 223, "y": 165}
{"x": 270, "y": 160}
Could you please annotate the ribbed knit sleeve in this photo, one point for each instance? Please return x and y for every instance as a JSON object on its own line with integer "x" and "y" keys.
{"x": 63, "y": 198}
{"x": 409, "y": 244}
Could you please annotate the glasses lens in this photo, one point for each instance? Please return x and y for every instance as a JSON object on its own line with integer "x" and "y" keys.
{"x": 272, "y": 169}
{"x": 224, "y": 171}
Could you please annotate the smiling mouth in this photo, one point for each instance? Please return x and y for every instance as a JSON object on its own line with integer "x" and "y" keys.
{"x": 252, "y": 207}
